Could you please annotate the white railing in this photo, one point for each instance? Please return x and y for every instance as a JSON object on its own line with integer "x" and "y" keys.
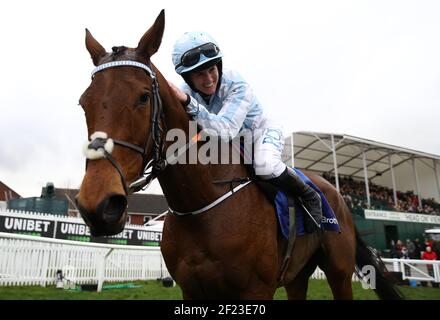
{"x": 422, "y": 270}
{"x": 411, "y": 270}
{"x": 27, "y": 260}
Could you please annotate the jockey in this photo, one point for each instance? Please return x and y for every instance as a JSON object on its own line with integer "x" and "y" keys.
{"x": 221, "y": 101}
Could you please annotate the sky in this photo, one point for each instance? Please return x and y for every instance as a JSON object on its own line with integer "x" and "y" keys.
{"x": 365, "y": 68}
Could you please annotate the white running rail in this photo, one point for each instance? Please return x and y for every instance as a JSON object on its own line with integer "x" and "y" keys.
{"x": 419, "y": 270}
{"x": 28, "y": 260}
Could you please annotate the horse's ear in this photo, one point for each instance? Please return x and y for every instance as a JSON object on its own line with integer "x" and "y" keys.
{"x": 95, "y": 49}
{"x": 151, "y": 40}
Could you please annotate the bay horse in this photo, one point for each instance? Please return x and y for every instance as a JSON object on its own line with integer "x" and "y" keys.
{"x": 234, "y": 250}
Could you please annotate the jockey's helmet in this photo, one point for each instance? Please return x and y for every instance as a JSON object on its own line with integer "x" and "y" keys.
{"x": 195, "y": 51}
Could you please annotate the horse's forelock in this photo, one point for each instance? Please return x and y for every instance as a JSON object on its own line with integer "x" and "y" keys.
{"x": 120, "y": 53}
{"x": 118, "y": 50}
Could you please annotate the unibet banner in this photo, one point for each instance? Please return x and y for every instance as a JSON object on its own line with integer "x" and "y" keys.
{"x": 134, "y": 237}
{"x": 27, "y": 226}
{"x": 52, "y": 227}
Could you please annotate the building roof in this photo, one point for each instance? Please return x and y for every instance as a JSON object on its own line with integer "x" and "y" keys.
{"x": 142, "y": 203}
{"x": 6, "y": 193}
{"x": 138, "y": 203}
{"x": 313, "y": 151}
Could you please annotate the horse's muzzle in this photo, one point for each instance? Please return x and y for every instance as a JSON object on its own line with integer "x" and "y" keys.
{"x": 112, "y": 208}
{"x": 107, "y": 217}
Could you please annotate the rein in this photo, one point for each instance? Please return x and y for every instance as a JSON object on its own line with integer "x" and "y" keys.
{"x": 101, "y": 146}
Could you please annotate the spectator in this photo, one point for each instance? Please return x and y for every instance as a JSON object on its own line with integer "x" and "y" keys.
{"x": 399, "y": 246}
{"x": 430, "y": 255}
{"x": 411, "y": 249}
{"x": 393, "y": 252}
{"x": 404, "y": 254}
{"x": 418, "y": 249}
{"x": 427, "y": 243}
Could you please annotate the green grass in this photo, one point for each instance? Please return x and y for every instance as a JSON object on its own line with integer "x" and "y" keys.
{"x": 153, "y": 290}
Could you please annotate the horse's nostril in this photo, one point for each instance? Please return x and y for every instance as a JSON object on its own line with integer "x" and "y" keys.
{"x": 113, "y": 208}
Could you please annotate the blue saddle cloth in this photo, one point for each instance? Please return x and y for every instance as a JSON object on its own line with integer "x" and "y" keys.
{"x": 328, "y": 223}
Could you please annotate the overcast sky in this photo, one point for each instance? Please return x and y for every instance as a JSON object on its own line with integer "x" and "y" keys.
{"x": 365, "y": 68}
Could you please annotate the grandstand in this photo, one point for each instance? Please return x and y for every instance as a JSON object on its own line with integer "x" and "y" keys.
{"x": 393, "y": 192}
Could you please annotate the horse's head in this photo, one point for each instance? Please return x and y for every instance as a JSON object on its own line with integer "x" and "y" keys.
{"x": 122, "y": 108}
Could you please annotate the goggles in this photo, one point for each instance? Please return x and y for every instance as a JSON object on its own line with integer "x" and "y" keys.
{"x": 191, "y": 57}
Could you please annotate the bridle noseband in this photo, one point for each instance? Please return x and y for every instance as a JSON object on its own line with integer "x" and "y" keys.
{"x": 101, "y": 146}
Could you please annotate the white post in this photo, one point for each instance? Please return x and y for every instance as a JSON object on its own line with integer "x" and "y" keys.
{"x": 367, "y": 188}
{"x": 393, "y": 180}
{"x": 436, "y": 272}
{"x": 436, "y": 178}
{"x": 396, "y": 265}
{"x": 335, "y": 162}
{"x": 44, "y": 266}
{"x": 402, "y": 267}
{"x": 292, "y": 151}
{"x": 416, "y": 176}
{"x": 101, "y": 273}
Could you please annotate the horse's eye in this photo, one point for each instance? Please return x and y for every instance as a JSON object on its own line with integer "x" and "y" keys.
{"x": 143, "y": 99}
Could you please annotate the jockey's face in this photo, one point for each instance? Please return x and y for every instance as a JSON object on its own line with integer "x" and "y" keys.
{"x": 205, "y": 80}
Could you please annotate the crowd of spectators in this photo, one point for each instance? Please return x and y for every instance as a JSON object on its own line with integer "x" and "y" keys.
{"x": 381, "y": 198}
{"x": 428, "y": 250}
{"x": 415, "y": 249}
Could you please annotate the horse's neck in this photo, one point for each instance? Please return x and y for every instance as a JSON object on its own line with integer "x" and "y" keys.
{"x": 188, "y": 187}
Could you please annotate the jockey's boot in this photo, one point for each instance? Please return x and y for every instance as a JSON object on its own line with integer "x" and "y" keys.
{"x": 294, "y": 186}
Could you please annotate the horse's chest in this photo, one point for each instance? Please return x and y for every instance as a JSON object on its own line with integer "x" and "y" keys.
{"x": 200, "y": 264}
{"x": 200, "y": 275}
{"x": 200, "y": 270}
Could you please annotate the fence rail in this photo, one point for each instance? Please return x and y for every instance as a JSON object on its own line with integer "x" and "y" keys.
{"x": 27, "y": 260}
{"x": 422, "y": 270}
{"x": 419, "y": 270}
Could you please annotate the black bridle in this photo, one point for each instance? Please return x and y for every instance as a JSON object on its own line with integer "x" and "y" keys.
{"x": 151, "y": 169}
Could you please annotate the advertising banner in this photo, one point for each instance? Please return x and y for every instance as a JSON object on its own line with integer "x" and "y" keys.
{"x": 74, "y": 229}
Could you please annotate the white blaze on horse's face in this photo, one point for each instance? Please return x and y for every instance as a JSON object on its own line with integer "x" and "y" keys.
{"x": 118, "y": 109}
